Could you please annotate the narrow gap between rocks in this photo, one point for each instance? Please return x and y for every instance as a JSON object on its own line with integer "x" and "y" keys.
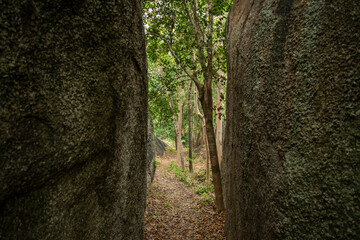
{"x": 180, "y": 205}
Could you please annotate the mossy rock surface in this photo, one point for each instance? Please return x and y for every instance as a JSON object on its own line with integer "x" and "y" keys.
{"x": 73, "y": 122}
{"x": 292, "y": 148}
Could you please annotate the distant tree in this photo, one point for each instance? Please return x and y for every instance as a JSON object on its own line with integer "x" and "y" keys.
{"x": 190, "y": 126}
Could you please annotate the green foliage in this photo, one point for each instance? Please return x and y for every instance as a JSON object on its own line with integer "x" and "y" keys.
{"x": 221, "y": 7}
{"x": 159, "y": 107}
{"x": 164, "y": 129}
{"x": 185, "y": 136}
{"x": 189, "y": 159}
{"x": 171, "y": 149}
{"x": 206, "y": 193}
{"x": 205, "y": 189}
{"x": 206, "y": 198}
{"x": 157, "y": 164}
{"x": 182, "y": 175}
{"x": 200, "y": 176}
{"x": 167, "y": 24}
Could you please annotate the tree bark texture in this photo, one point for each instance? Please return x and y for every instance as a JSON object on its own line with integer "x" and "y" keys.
{"x": 219, "y": 121}
{"x": 180, "y": 152}
{"x": 292, "y": 145}
{"x": 203, "y": 128}
{"x": 207, "y": 152}
{"x": 177, "y": 128}
{"x": 73, "y": 125}
{"x": 206, "y": 103}
{"x": 190, "y": 130}
{"x": 199, "y": 138}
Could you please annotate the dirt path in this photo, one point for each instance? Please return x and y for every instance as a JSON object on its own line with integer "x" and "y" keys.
{"x": 175, "y": 211}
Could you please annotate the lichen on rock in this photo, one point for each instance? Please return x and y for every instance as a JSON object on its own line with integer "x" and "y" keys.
{"x": 73, "y": 121}
{"x": 292, "y": 149}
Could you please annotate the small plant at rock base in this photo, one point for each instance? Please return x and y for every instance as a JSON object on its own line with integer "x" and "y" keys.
{"x": 170, "y": 149}
{"x": 184, "y": 178}
{"x": 187, "y": 159}
{"x": 205, "y": 189}
{"x": 180, "y": 174}
{"x": 206, "y": 193}
{"x": 206, "y": 198}
{"x": 201, "y": 190}
{"x": 200, "y": 176}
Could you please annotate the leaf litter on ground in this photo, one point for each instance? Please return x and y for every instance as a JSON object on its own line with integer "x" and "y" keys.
{"x": 175, "y": 211}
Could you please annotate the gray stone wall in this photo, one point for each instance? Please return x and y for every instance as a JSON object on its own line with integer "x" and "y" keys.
{"x": 73, "y": 119}
{"x": 292, "y": 148}
{"x": 150, "y": 154}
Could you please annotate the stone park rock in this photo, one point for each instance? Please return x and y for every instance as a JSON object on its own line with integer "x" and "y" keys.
{"x": 73, "y": 133}
{"x": 150, "y": 155}
{"x": 160, "y": 146}
{"x": 198, "y": 149}
{"x": 292, "y": 145}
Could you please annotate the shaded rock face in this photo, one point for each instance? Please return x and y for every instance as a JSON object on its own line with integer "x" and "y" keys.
{"x": 150, "y": 168}
{"x": 292, "y": 146}
{"x": 73, "y": 120}
{"x": 160, "y": 147}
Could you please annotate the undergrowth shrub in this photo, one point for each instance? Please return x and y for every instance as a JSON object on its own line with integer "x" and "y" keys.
{"x": 182, "y": 175}
{"x": 206, "y": 192}
{"x": 171, "y": 149}
{"x": 200, "y": 176}
{"x": 205, "y": 189}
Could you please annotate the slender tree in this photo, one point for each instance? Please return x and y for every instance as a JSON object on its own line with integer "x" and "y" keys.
{"x": 177, "y": 118}
{"x": 203, "y": 125}
{"x": 190, "y": 123}
{"x": 219, "y": 116}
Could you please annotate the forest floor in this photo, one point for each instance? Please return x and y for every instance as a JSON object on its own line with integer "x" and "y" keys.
{"x": 173, "y": 208}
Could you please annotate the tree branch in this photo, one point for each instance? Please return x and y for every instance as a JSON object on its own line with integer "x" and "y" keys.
{"x": 197, "y": 83}
{"x": 210, "y": 38}
{"x": 195, "y": 24}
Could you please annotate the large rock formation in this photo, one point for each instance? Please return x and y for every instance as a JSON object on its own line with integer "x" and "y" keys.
{"x": 160, "y": 146}
{"x": 151, "y": 150}
{"x": 73, "y": 122}
{"x": 292, "y": 145}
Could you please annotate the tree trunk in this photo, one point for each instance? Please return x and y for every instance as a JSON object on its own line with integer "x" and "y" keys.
{"x": 180, "y": 153}
{"x": 219, "y": 121}
{"x": 203, "y": 127}
{"x": 206, "y": 103}
{"x": 175, "y": 133}
{"x": 177, "y": 126}
{"x": 199, "y": 138}
{"x": 190, "y": 132}
{"x": 207, "y": 162}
